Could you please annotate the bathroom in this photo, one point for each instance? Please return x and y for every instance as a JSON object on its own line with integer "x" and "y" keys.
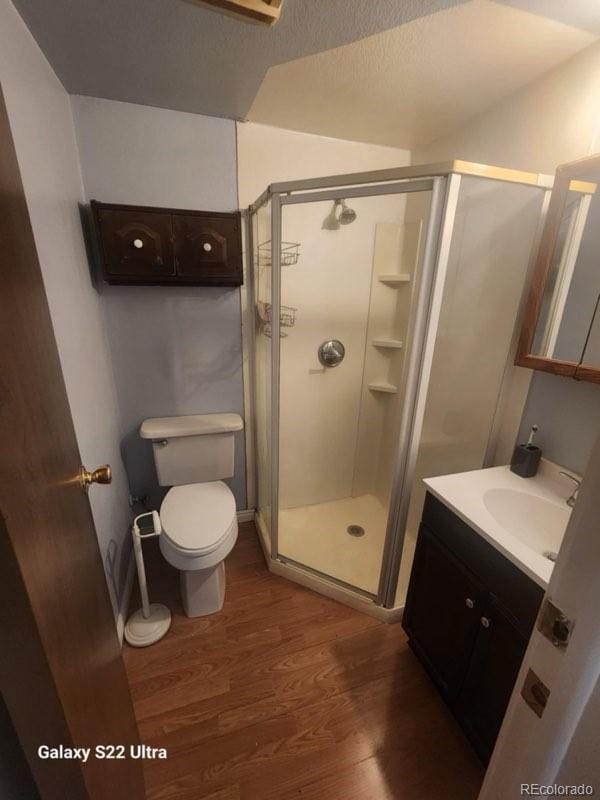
{"x": 409, "y": 237}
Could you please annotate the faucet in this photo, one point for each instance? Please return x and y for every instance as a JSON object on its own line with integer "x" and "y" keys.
{"x": 571, "y": 500}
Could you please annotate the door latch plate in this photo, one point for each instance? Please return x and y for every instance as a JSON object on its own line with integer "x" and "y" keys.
{"x": 535, "y": 693}
{"x": 555, "y": 625}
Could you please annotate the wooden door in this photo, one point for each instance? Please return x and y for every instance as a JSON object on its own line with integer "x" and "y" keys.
{"x": 136, "y": 244}
{"x": 61, "y": 671}
{"x": 442, "y": 613}
{"x": 493, "y": 669}
{"x": 208, "y": 248}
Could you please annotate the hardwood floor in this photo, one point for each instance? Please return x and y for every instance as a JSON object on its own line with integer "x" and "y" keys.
{"x": 286, "y": 694}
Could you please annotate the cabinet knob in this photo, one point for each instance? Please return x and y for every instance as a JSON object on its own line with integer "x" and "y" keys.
{"x": 207, "y": 247}
{"x": 469, "y": 603}
{"x": 486, "y": 622}
{"x": 138, "y": 244}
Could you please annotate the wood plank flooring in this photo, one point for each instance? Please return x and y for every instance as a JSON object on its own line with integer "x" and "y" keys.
{"x": 286, "y": 694}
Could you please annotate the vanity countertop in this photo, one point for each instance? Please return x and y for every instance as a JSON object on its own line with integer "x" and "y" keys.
{"x": 522, "y": 518}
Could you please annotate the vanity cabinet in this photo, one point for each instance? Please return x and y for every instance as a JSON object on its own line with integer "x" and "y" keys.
{"x": 139, "y": 245}
{"x": 469, "y": 614}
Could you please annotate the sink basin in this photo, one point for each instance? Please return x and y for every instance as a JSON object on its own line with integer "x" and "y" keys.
{"x": 525, "y": 519}
{"x": 535, "y": 521}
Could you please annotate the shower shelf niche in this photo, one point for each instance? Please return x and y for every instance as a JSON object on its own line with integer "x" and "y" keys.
{"x": 383, "y": 386}
{"x": 389, "y": 343}
{"x": 394, "y": 278}
{"x": 290, "y": 253}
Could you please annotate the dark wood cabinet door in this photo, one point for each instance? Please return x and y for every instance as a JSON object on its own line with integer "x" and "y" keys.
{"x": 490, "y": 678}
{"x": 135, "y": 244}
{"x": 443, "y": 608}
{"x": 208, "y": 248}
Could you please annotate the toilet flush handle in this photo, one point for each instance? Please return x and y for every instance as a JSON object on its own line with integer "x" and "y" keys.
{"x": 163, "y": 442}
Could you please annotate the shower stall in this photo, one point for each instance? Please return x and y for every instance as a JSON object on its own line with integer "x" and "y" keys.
{"x": 382, "y": 309}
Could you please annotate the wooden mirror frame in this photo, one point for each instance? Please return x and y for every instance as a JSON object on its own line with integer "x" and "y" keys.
{"x": 577, "y": 173}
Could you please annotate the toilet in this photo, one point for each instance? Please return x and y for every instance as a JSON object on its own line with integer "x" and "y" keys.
{"x": 193, "y": 454}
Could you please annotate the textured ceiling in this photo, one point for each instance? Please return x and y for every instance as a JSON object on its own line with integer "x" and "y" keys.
{"x": 176, "y": 55}
{"x": 412, "y": 84}
{"x": 389, "y": 71}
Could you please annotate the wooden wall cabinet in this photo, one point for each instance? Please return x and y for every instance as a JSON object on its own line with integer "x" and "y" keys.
{"x": 161, "y": 246}
{"x": 469, "y": 614}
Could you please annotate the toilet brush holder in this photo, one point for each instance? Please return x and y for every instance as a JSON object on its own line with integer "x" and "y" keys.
{"x": 149, "y": 623}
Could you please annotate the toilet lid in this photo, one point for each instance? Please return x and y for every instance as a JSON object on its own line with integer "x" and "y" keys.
{"x": 197, "y": 516}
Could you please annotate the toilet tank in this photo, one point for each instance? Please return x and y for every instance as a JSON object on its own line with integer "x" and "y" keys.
{"x": 193, "y": 449}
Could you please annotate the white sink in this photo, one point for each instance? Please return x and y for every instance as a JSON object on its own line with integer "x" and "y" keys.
{"x": 536, "y": 521}
{"x": 523, "y": 518}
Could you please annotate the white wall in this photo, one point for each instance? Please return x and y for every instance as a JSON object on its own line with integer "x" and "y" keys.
{"x": 175, "y": 350}
{"x": 330, "y": 287}
{"x": 552, "y": 120}
{"x": 267, "y": 155}
{"x": 42, "y": 127}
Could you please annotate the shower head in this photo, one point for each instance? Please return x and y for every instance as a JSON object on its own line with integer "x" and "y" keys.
{"x": 333, "y": 220}
{"x": 348, "y": 215}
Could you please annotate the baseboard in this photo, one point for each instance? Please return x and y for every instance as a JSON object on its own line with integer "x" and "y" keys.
{"x": 126, "y": 597}
{"x": 321, "y": 585}
{"x": 246, "y": 515}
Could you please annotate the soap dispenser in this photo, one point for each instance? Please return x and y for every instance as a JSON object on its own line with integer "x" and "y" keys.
{"x": 526, "y": 457}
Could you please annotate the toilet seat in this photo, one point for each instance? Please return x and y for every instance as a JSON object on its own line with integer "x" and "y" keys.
{"x": 199, "y": 525}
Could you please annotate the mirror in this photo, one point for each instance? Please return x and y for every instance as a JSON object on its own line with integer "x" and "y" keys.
{"x": 561, "y": 326}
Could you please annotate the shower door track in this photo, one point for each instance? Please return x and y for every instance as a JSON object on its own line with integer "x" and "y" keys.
{"x": 330, "y": 578}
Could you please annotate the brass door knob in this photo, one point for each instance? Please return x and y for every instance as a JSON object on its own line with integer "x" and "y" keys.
{"x": 101, "y": 475}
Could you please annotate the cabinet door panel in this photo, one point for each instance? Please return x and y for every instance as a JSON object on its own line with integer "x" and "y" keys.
{"x": 488, "y": 685}
{"x": 442, "y": 613}
{"x": 208, "y": 248}
{"x": 136, "y": 244}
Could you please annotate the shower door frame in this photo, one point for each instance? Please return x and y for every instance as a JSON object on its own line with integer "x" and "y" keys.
{"x": 414, "y": 383}
{"x": 446, "y": 178}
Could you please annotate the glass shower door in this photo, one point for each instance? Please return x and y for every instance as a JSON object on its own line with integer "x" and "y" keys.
{"x": 348, "y": 277}
{"x": 489, "y": 247}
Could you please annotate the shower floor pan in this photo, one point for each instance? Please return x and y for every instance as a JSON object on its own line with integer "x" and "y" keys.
{"x": 317, "y": 536}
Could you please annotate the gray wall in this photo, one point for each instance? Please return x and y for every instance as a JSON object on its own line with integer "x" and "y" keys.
{"x": 568, "y": 414}
{"x": 42, "y": 126}
{"x": 174, "y": 350}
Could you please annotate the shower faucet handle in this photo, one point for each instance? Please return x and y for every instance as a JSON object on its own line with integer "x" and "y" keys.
{"x": 331, "y": 353}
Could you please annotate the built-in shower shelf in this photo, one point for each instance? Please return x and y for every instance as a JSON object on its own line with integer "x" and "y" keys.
{"x": 394, "y": 278}
{"x": 383, "y": 386}
{"x": 392, "y": 344}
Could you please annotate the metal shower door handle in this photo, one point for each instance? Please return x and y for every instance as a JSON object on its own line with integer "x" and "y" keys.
{"x": 331, "y": 353}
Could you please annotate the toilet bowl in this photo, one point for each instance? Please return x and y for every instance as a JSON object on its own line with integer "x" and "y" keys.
{"x": 192, "y": 454}
{"x": 199, "y": 531}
